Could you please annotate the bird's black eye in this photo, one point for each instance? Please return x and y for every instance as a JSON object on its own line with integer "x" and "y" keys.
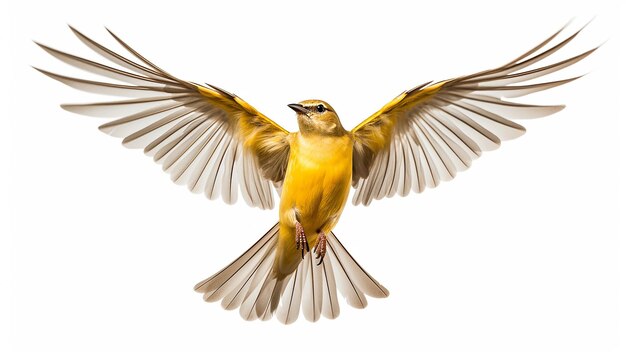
{"x": 320, "y": 108}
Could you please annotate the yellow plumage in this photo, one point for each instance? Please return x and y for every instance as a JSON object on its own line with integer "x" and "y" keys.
{"x": 219, "y": 145}
{"x": 317, "y": 183}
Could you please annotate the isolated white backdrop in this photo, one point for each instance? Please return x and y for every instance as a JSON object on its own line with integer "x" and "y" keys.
{"x": 518, "y": 254}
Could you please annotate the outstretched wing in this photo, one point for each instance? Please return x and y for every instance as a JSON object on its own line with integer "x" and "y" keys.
{"x": 429, "y": 133}
{"x": 205, "y": 137}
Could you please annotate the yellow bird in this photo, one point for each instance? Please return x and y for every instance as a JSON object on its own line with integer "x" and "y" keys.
{"x": 217, "y": 144}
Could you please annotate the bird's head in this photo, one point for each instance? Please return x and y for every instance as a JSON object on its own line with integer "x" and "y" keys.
{"x": 317, "y": 117}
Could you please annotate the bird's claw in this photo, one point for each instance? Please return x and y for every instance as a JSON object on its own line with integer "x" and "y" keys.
{"x": 320, "y": 247}
{"x": 301, "y": 242}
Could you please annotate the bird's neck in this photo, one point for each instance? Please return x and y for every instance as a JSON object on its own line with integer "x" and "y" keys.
{"x": 319, "y": 147}
{"x": 330, "y": 131}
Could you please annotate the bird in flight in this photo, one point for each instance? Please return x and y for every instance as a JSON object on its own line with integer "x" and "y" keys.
{"x": 217, "y": 144}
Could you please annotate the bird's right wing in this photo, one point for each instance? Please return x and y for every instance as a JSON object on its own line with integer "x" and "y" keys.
{"x": 205, "y": 137}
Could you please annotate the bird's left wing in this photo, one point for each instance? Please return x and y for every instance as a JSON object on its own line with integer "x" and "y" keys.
{"x": 205, "y": 137}
{"x": 427, "y": 134}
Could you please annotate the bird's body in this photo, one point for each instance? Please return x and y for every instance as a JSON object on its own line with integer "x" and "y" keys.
{"x": 315, "y": 190}
{"x": 218, "y": 144}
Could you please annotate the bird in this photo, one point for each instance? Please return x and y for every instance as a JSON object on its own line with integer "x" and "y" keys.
{"x": 215, "y": 143}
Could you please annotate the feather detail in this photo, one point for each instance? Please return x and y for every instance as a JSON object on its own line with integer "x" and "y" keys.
{"x": 205, "y": 137}
{"x": 446, "y": 125}
{"x": 251, "y": 283}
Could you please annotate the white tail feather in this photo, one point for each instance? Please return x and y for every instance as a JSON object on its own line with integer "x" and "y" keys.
{"x": 251, "y": 284}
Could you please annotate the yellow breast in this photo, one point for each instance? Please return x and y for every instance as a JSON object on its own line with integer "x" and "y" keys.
{"x": 317, "y": 181}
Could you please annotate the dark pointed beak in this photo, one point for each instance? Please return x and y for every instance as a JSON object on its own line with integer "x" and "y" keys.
{"x": 298, "y": 108}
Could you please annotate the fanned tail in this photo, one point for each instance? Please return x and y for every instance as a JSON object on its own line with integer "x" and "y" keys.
{"x": 251, "y": 284}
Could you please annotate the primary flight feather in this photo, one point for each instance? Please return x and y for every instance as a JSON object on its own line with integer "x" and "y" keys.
{"x": 216, "y": 143}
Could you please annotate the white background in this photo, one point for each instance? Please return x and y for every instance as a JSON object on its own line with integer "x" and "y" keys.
{"x": 517, "y": 257}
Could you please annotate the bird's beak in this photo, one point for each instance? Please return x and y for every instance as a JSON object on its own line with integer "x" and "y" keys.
{"x": 298, "y": 108}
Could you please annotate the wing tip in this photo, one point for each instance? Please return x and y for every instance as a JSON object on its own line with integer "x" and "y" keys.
{"x": 52, "y": 75}
{"x": 553, "y": 109}
{"x": 73, "y": 29}
{"x": 107, "y": 128}
{"x": 73, "y": 108}
{"x": 68, "y": 107}
{"x": 39, "y": 69}
{"x": 117, "y": 38}
{"x": 39, "y": 44}
{"x": 46, "y": 48}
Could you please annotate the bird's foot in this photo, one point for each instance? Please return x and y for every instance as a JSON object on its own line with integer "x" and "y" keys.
{"x": 320, "y": 247}
{"x": 301, "y": 242}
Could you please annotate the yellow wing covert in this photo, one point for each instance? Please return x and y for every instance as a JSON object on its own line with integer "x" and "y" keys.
{"x": 203, "y": 136}
{"x": 428, "y": 134}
